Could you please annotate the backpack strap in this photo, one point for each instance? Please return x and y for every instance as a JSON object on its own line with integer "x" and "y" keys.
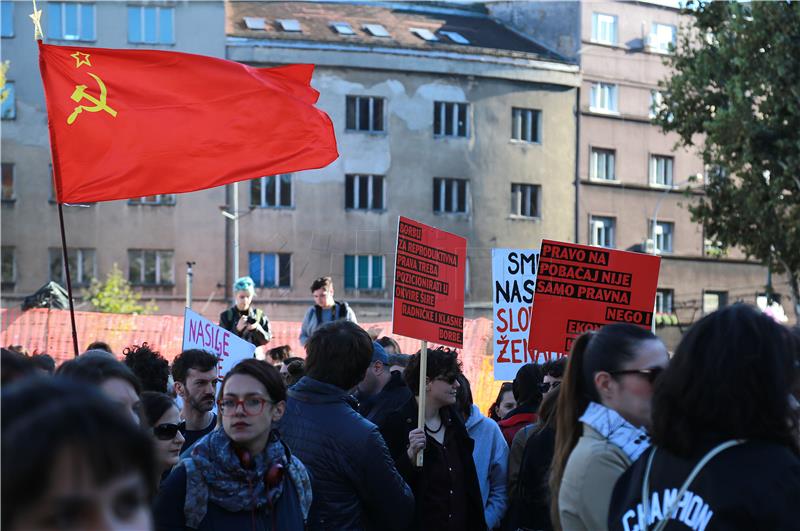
{"x": 668, "y": 511}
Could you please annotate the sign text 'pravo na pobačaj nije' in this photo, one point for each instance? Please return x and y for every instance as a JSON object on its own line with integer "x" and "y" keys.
{"x": 429, "y": 284}
{"x": 581, "y": 288}
{"x": 200, "y": 333}
{"x": 514, "y": 283}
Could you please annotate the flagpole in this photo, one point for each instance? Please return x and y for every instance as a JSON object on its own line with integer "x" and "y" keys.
{"x": 69, "y": 281}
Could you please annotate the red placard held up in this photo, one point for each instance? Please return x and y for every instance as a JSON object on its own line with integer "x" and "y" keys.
{"x": 429, "y": 284}
{"x": 581, "y": 288}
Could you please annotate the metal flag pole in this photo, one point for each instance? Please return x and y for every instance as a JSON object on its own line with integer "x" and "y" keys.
{"x": 69, "y": 280}
{"x": 423, "y": 376}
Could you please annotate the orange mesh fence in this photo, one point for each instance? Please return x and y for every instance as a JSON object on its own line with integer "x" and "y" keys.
{"x": 43, "y": 330}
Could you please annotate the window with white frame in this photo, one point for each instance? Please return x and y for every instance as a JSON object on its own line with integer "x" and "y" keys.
{"x": 601, "y": 164}
{"x": 271, "y": 270}
{"x": 363, "y": 271}
{"x": 450, "y": 119}
{"x": 450, "y": 195}
{"x": 9, "y": 105}
{"x": 525, "y": 124}
{"x": 82, "y": 267}
{"x": 8, "y": 182}
{"x": 656, "y": 103}
{"x": 662, "y": 37}
{"x": 365, "y": 113}
{"x": 70, "y": 21}
{"x": 9, "y": 265}
{"x": 714, "y": 300}
{"x": 664, "y": 300}
{"x": 604, "y": 28}
{"x": 156, "y": 200}
{"x": 151, "y": 24}
{"x": 7, "y": 17}
{"x": 364, "y": 192}
{"x": 663, "y": 233}
{"x": 601, "y": 231}
{"x": 661, "y": 170}
{"x": 272, "y": 191}
{"x": 603, "y": 97}
{"x": 151, "y": 267}
{"x": 525, "y": 200}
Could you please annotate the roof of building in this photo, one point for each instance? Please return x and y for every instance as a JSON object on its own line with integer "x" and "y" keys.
{"x": 406, "y": 25}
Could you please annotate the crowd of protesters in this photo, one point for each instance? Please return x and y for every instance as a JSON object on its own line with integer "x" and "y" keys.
{"x": 619, "y": 435}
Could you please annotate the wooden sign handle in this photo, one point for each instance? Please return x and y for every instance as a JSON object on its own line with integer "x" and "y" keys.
{"x": 423, "y": 374}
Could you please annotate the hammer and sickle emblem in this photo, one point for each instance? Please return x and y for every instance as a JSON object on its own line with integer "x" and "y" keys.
{"x": 99, "y": 104}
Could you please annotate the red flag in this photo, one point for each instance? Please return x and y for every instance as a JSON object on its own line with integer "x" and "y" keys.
{"x": 132, "y": 123}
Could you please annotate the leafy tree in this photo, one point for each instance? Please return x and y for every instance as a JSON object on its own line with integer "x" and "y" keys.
{"x": 116, "y": 296}
{"x": 734, "y": 96}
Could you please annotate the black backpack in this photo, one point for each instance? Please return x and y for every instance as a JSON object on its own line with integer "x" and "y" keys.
{"x": 341, "y": 311}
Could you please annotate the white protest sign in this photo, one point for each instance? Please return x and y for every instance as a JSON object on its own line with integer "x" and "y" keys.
{"x": 200, "y": 333}
{"x": 514, "y": 283}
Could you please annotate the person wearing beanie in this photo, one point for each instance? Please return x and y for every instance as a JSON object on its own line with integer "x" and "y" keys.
{"x": 244, "y": 320}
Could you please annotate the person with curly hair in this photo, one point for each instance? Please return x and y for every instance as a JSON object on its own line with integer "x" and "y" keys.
{"x": 446, "y": 490}
{"x": 149, "y": 366}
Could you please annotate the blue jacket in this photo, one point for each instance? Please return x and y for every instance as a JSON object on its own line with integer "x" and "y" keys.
{"x": 355, "y": 483}
{"x": 491, "y": 463}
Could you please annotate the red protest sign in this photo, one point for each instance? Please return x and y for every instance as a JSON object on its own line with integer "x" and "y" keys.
{"x": 581, "y": 288}
{"x": 429, "y": 272}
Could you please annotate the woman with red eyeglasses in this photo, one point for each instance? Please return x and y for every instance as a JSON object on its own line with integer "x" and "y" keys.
{"x": 241, "y": 476}
{"x": 162, "y": 417}
{"x": 602, "y": 418}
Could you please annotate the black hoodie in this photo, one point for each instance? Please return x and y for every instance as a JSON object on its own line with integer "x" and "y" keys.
{"x": 749, "y": 487}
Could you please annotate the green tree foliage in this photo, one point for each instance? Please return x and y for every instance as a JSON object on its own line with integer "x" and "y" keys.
{"x": 116, "y": 296}
{"x": 735, "y": 97}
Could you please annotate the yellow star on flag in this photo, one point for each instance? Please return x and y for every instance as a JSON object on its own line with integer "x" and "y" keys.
{"x": 81, "y": 59}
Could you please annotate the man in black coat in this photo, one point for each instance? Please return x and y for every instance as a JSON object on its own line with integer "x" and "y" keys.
{"x": 446, "y": 488}
{"x": 353, "y": 478}
{"x": 381, "y": 392}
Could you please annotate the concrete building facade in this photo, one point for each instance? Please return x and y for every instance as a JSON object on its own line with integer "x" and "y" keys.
{"x": 450, "y": 118}
{"x": 630, "y": 176}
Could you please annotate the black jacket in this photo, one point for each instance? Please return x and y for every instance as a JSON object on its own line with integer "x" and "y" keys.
{"x": 396, "y": 429}
{"x": 530, "y": 502}
{"x": 391, "y": 398}
{"x": 353, "y": 477}
{"x": 230, "y": 317}
{"x": 750, "y": 487}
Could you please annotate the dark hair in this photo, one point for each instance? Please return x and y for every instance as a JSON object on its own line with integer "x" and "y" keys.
{"x": 154, "y": 405}
{"x": 44, "y": 417}
{"x": 730, "y": 378}
{"x": 287, "y": 361}
{"x": 44, "y": 361}
{"x": 441, "y": 362}
{"x": 99, "y": 345}
{"x": 98, "y": 369}
{"x": 526, "y": 385}
{"x": 387, "y": 341}
{"x": 199, "y": 360}
{"x": 339, "y": 353}
{"x": 505, "y": 388}
{"x": 149, "y": 366}
{"x": 14, "y": 366}
{"x": 555, "y": 368}
{"x": 547, "y": 411}
{"x": 279, "y": 353}
{"x": 321, "y": 282}
{"x": 262, "y": 371}
{"x": 464, "y": 396}
{"x": 606, "y": 349}
{"x": 399, "y": 359}
{"x": 296, "y": 370}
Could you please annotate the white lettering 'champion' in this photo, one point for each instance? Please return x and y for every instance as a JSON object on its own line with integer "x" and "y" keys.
{"x": 691, "y": 511}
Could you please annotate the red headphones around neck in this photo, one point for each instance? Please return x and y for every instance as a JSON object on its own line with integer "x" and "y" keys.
{"x": 274, "y": 475}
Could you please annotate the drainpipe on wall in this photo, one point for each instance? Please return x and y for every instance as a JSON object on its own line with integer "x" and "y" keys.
{"x": 228, "y": 241}
{"x": 577, "y": 160}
